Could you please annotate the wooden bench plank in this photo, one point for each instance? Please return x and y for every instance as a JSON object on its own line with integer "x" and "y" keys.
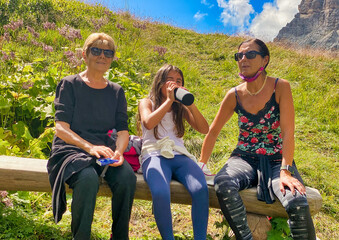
{"x": 28, "y": 174}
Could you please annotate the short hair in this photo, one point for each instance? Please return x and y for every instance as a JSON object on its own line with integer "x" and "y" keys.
{"x": 262, "y": 47}
{"x": 97, "y": 39}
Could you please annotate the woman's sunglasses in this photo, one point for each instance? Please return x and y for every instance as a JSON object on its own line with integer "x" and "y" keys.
{"x": 97, "y": 52}
{"x": 249, "y": 55}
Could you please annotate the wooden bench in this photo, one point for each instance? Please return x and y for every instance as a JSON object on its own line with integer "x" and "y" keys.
{"x": 29, "y": 174}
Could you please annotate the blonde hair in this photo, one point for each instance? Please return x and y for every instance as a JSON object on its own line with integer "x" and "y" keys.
{"x": 96, "y": 39}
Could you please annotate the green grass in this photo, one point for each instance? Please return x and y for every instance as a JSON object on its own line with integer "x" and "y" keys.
{"x": 26, "y": 123}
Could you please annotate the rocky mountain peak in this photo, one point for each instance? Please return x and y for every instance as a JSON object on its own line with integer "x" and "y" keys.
{"x": 316, "y": 25}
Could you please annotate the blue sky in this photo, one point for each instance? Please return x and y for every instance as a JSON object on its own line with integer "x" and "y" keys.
{"x": 259, "y": 18}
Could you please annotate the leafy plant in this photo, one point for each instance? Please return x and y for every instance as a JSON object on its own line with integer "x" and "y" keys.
{"x": 280, "y": 230}
{"x": 223, "y": 225}
{"x": 133, "y": 92}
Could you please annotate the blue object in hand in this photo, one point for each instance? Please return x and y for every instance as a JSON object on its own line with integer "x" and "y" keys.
{"x": 105, "y": 161}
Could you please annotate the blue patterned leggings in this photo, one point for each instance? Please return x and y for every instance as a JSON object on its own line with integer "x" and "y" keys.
{"x": 158, "y": 172}
{"x": 240, "y": 173}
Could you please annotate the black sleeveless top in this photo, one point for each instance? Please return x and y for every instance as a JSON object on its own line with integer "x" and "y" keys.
{"x": 260, "y": 133}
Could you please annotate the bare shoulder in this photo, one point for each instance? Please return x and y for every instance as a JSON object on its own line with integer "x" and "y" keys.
{"x": 231, "y": 92}
{"x": 230, "y": 98}
{"x": 283, "y": 90}
{"x": 283, "y": 85}
{"x": 145, "y": 103}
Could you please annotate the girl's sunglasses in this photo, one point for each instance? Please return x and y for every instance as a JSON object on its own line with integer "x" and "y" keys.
{"x": 97, "y": 52}
{"x": 249, "y": 55}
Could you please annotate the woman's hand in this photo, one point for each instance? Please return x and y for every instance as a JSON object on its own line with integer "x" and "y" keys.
{"x": 101, "y": 151}
{"x": 117, "y": 156}
{"x": 292, "y": 183}
{"x": 121, "y": 145}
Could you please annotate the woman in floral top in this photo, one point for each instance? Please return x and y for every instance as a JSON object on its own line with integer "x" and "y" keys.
{"x": 263, "y": 156}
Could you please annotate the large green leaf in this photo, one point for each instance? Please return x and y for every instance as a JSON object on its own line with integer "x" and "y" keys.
{"x": 4, "y": 103}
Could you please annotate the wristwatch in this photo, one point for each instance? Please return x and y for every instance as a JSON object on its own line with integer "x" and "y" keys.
{"x": 288, "y": 168}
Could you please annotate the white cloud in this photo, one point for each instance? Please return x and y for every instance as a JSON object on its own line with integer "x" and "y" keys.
{"x": 274, "y": 16}
{"x": 198, "y": 16}
{"x": 236, "y": 13}
{"x": 207, "y": 3}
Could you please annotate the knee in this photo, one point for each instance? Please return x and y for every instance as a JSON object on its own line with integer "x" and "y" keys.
{"x": 128, "y": 180}
{"x": 224, "y": 184}
{"x": 297, "y": 206}
{"x": 160, "y": 194}
{"x": 202, "y": 190}
{"x": 87, "y": 180}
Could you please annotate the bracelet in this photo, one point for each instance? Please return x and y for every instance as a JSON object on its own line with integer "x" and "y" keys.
{"x": 289, "y": 168}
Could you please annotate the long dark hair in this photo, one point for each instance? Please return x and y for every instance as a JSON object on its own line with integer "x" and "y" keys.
{"x": 156, "y": 97}
{"x": 262, "y": 47}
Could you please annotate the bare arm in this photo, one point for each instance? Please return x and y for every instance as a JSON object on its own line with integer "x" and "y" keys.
{"x": 196, "y": 119}
{"x": 287, "y": 125}
{"x": 224, "y": 114}
{"x": 121, "y": 145}
{"x": 150, "y": 118}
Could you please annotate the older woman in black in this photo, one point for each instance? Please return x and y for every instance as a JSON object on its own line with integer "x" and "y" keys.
{"x": 87, "y": 106}
{"x": 263, "y": 156}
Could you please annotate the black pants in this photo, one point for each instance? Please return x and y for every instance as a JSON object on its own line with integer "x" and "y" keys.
{"x": 85, "y": 185}
{"x": 240, "y": 173}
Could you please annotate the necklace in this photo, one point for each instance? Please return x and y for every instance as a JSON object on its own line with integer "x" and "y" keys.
{"x": 257, "y": 92}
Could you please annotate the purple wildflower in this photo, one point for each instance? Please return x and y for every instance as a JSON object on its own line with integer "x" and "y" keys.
{"x": 78, "y": 53}
{"x": 35, "y": 43}
{"x": 8, "y": 202}
{"x": 98, "y": 23}
{"x": 22, "y": 38}
{"x": 47, "y": 48}
{"x": 12, "y": 54}
{"x": 140, "y": 25}
{"x": 14, "y": 25}
{"x": 33, "y": 32}
{"x": 7, "y": 37}
{"x": 121, "y": 27}
{"x": 108, "y": 12}
{"x": 161, "y": 50}
{"x": 73, "y": 58}
{"x": 4, "y": 198}
{"x": 70, "y": 33}
{"x": 48, "y": 25}
{"x": 3, "y": 194}
{"x": 5, "y": 57}
{"x": 69, "y": 54}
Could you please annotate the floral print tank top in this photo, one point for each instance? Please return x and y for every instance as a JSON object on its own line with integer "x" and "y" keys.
{"x": 259, "y": 133}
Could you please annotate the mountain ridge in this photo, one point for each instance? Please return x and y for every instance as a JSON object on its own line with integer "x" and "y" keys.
{"x": 316, "y": 25}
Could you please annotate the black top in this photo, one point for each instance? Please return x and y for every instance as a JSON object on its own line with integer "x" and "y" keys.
{"x": 91, "y": 112}
{"x": 260, "y": 133}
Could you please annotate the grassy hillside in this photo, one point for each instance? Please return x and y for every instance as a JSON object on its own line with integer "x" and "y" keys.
{"x": 39, "y": 44}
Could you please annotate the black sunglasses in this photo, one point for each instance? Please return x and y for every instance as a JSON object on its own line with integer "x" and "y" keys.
{"x": 97, "y": 52}
{"x": 249, "y": 55}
